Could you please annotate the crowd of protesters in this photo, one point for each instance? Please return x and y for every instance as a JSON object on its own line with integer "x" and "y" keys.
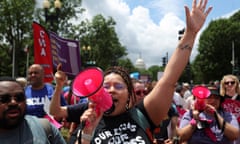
{"x": 184, "y": 123}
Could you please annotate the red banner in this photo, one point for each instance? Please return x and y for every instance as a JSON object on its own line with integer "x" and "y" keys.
{"x": 232, "y": 106}
{"x": 42, "y": 51}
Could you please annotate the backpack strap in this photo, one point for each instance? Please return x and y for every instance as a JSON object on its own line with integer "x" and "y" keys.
{"x": 47, "y": 128}
{"x": 142, "y": 121}
{"x": 138, "y": 116}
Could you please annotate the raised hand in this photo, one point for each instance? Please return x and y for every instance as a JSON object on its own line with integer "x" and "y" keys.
{"x": 60, "y": 76}
{"x": 197, "y": 16}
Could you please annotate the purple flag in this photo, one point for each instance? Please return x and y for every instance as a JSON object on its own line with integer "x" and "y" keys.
{"x": 67, "y": 53}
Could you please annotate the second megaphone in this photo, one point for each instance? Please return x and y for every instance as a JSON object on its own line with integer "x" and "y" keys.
{"x": 89, "y": 83}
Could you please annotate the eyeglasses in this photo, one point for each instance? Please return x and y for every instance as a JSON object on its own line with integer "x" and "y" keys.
{"x": 6, "y": 98}
{"x": 117, "y": 86}
{"x": 229, "y": 82}
{"x": 139, "y": 92}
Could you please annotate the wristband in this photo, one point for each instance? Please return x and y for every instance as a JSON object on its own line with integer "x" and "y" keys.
{"x": 81, "y": 135}
{"x": 193, "y": 122}
{"x": 86, "y": 136}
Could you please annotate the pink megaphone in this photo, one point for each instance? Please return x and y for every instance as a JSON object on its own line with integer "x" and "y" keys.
{"x": 201, "y": 93}
{"x": 89, "y": 83}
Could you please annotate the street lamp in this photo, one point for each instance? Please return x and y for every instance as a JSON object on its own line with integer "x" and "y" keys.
{"x": 87, "y": 56}
{"x": 50, "y": 15}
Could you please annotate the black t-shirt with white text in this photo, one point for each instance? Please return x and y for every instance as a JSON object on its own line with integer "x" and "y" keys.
{"x": 121, "y": 129}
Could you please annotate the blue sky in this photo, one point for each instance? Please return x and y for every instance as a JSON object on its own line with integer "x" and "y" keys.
{"x": 149, "y": 28}
{"x": 221, "y": 7}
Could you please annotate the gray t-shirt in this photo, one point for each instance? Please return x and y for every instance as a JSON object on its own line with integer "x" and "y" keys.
{"x": 30, "y": 132}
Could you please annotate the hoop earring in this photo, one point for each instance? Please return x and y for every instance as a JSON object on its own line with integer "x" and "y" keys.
{"x": 127, "y": 105}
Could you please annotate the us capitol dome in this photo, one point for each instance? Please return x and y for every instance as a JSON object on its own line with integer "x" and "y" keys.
{"x": 140, "y": 64}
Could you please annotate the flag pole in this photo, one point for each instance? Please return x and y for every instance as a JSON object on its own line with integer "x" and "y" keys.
{"x": 233, "y": 57}
{"x": 13, "y": 59}
{"x": 27, "y": 60}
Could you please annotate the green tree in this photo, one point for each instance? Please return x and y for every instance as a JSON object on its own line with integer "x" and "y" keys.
{"x": 187, "y": 74}
{"x": 126, "y": 63}
{"x": 100, "y": 34}
{"x": 15, "y": 31}
{"x": 153, "y": 71}
{"x": 215, "y": 50}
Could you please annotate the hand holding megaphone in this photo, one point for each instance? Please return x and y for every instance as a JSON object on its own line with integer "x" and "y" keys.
{"x": 90, "y": 118}
{"x": 201, "y": 93}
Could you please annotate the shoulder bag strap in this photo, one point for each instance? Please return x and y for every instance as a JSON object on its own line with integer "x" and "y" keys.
{"x": 47, "y": 128}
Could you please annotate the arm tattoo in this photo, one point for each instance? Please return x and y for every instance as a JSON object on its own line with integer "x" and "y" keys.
{"x": 187, "y": 47}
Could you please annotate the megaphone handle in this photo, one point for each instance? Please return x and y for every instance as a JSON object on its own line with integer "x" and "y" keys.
{"x": 83, "y": 124}
{"x": 79, "y": 134}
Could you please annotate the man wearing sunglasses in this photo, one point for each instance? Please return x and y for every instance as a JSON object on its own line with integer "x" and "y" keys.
{"x": 15, "y": 126}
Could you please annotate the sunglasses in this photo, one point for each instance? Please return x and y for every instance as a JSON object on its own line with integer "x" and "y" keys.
{"x": 229, "y": 82}
{"x": 117, "y": 86}
{"x": 6, "y": 98}
{"x": 140, "y": 92}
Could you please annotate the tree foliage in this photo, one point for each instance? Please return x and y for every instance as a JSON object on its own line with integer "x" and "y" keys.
{"x": 15, "y": 32}
{"x": 215, "y": 50}
{"x": 69, "y": 11}
{"x": 153, "y": 71}
{"x": 126, "y": 63}
{"x": 100, "y": 34}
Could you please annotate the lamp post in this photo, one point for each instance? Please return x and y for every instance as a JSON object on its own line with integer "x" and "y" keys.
{"x": 87, "y": 60}
{"x": 52, "y": 16}
{"x": 86, "y": 50}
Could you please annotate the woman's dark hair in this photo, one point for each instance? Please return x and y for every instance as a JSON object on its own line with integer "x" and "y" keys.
{"x": 126, "y": 77}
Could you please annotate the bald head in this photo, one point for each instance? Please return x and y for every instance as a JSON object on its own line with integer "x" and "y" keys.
{"x": 36, "y": 76}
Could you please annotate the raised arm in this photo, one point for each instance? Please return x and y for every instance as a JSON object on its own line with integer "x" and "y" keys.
{"x": 55, "y": 108}
{"x": 159, "y": 100}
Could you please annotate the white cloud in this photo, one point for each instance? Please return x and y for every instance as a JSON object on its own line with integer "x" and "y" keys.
{"x": 166, "y": 6}
{"x": 136, "y": 29}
